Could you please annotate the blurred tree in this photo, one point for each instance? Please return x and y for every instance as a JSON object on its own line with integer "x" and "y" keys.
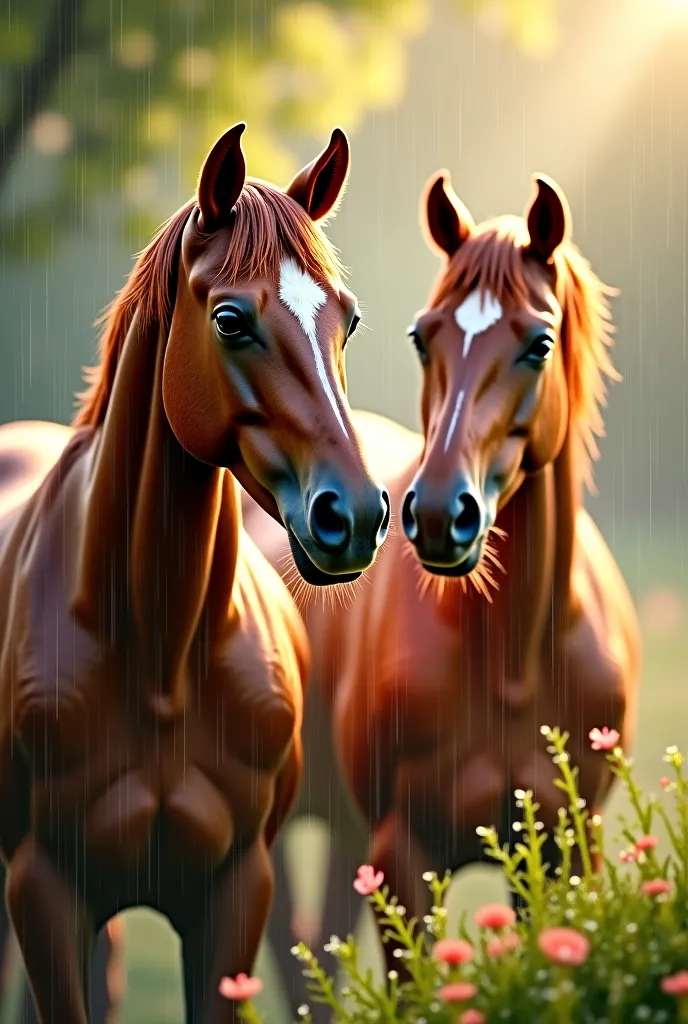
{"x": 530, "y": 24}
{"x": 104, "y": 98}
{"x": 124, "y": 97}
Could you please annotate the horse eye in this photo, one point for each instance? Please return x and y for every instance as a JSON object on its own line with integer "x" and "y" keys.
{"x": 231, "y": 323}
{"x": 540, "y": 350}
{"x": 418, "y": 345}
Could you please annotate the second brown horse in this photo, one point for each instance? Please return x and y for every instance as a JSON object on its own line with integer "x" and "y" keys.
{"x": 437, "y": 689}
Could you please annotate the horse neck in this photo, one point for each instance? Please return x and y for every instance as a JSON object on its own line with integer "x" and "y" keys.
{"x": 529, "y": 609}
{"x": 160, "y": 532}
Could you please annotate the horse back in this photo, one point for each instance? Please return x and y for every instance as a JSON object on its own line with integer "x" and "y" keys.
{"x": 390, "y": 448}
{"x": 28, "y": 451}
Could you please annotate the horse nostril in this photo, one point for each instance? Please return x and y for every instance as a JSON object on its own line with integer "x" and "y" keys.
{"x": 385, "y": 515}
{"x": 408, "y": 516}
{"x": 466, "y": 525}
{"x": 329, "y": 523}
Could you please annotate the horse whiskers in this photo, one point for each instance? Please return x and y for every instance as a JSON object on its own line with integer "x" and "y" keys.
{"x": 481, "y": 578}
{"x": 305, "y": 593}
{"x": 428, "y": 582}
{"x": 343, "y": 595}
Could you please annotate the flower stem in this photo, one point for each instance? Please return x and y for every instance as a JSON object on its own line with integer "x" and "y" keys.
{"x": 569, "y": 785}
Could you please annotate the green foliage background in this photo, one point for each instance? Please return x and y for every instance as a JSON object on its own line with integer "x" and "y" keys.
{"x": 129, "y": 94}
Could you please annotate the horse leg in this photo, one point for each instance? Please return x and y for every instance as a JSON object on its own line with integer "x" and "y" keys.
{"x": 224, "y": 938}
{"x": 5, "y": 947}
{"x": 53, "y": 933}
{"x": 340, "y": 909}
{"x": 396, "y": 852}
{"x": 107, "y": 983}
{"x": 341, "y": 905}
{"x": 284, "y": 931}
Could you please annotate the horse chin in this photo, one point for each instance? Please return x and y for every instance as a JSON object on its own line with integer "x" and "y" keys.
{"x": 310, "y": 571}
{"x": 463, "y": 568}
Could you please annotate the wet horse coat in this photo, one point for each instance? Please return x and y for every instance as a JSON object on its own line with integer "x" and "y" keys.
{"x": 436, "y": 690}
{"x": 28, "y": 451}
{"x": 152, "y": 661}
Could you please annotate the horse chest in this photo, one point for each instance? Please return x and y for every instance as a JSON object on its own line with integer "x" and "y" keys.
{"x": 106, "y": 769}
{"x": 440, "y": 692}
{"x": 63, "y": 714}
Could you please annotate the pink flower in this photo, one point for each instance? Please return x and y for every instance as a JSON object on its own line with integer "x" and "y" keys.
{"x": 453, "y": 951}
{"x": 656, "y": 887}
{"x": 665, "y": 781}
{"x": 368, "y": 880}
{"x": 675, "y": 984}
{"x": 495, "y": 915}
{"x": 472, "y": 1017}
{"x": 457, "y": 992}
{"x": 241, "y": 987}
{"x": 564, "y": 946}
{"x": 503, "y": 944}
{"x": 628, "y": 856}
{"x": 646, "y": 842}
{"x": 604, "y": 739}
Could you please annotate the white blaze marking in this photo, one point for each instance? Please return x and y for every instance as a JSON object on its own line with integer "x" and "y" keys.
{"x": 455, "y": 416}
{"x": 303, "y": 297}
{"x": 475, "y": 314}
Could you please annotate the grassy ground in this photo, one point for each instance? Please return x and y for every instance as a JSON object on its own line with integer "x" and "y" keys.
{"x": 656, "y": 573}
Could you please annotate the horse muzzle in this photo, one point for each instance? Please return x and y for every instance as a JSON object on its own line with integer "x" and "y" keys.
{"x": 447, "y": 532}
{"x": 334, "y": 532}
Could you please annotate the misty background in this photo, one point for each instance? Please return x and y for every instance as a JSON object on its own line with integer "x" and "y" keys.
{"x": 603, "y": 109}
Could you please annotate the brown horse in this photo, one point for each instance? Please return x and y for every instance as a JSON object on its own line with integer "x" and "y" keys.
{"x": 438, "y": 689}
{"x": 152, "y": 661}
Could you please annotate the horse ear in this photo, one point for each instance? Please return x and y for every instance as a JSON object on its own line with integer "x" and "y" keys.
{"x": 548, "y": 218}
{"x": 222, "y": 179}
{"x": 318, "y": 186}
{"x": 446, "y": 220}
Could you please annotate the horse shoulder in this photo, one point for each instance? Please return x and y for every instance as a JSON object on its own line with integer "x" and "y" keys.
{"x": 28, "y": 451}
{"x": 263, "y": 663}
{"x": 42, "y": 643}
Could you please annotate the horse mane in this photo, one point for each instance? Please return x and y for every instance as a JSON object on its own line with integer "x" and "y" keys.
{"x": 268, "y": 225}
{"x": 493, "y": 259}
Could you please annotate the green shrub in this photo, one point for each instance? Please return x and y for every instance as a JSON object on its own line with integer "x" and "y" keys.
{"x": 607, "y": 948}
